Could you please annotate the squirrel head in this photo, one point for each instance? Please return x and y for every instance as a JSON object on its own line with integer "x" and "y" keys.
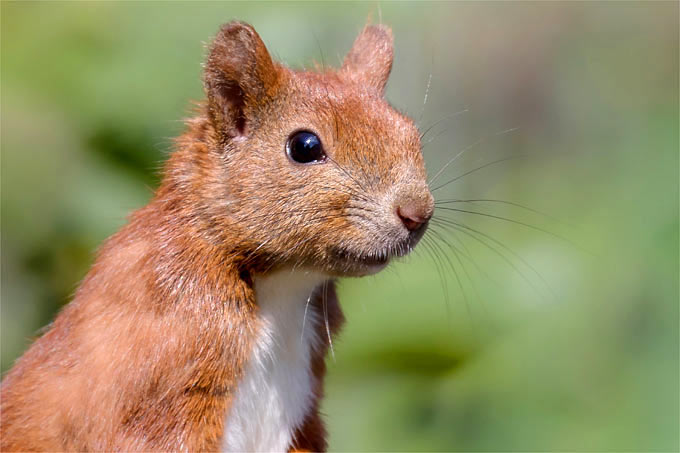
{"x": 308, "y": 168}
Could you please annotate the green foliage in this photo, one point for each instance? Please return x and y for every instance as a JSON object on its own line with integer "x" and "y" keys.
{"x": 582, "y": 357}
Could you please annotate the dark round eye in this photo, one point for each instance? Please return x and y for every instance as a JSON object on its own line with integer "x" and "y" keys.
{"x": 305, "y": 148}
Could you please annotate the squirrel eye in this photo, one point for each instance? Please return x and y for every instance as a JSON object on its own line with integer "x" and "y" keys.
{"x": 305, "y": 147}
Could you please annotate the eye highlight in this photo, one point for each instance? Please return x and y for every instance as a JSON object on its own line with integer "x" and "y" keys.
{"x": 305, "y": 147}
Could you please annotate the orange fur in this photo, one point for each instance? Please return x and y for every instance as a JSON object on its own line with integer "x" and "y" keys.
{"x": 149, "y": 352}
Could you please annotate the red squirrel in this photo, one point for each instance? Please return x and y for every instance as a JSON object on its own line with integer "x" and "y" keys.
{"x": 205, "y": 321}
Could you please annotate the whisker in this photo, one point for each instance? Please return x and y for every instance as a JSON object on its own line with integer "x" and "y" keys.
{"x": 427, "y": 91}
{"x": 469, "y": 230}
{"x": 304, "y": 317}
{"x": 518, "y": 222}
{"x": 472, "y": 260}
{"x": 479, "y": 271}
{"x": 465, "y": 254}
{"x": 452, "y": 160}
{"x": 468, "y": 148}
{"x": 511, "y": 203}
{"x": 440, "y": 271}
{"x": 318, "y": 44}
{"x": 325, "y": 315}
{"x": 346, "y": 172}
{"x": 436, "y": 123}
{"x": 516, "y": 156}
{"x": 455, "y": 273}
{"x": 456, "y": 253}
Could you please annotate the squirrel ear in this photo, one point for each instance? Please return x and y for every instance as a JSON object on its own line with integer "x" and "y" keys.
{"x": 239, "y": 76}
{"x": 370, "y": 59}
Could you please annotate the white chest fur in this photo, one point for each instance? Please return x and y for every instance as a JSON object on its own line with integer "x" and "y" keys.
{"x": 275, "y": 392}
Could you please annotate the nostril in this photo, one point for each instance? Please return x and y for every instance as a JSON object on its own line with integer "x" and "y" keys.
{"x": 412, "y": 217}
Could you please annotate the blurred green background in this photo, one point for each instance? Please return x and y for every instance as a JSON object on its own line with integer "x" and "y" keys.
{"x": 456, "y": 347}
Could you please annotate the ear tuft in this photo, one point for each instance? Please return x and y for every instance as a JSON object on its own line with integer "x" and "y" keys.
{"x": 239, "y": 76}
{"x": 371, "y": 56}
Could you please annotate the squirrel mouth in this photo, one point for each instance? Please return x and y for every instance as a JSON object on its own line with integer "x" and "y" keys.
{"x": 368, "y": 259}
{"x": 373, "y": 260}
{"x": 361, "y": 263}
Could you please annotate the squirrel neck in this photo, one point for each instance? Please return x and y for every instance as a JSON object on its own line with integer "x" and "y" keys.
{"x": 276, "y": 390}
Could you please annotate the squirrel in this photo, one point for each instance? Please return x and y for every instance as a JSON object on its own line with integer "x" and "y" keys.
{"x": 205, "y": 321}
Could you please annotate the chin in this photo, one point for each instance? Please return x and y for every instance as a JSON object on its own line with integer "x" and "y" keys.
{"x": 352, "y": 264}
{"x": 360, "y": 269}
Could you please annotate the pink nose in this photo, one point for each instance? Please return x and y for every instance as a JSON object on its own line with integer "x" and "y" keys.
{"x": 414, "y": 215}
